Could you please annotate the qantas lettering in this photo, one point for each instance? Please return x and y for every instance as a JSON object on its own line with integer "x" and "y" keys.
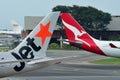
{"x": 25, "y": 52}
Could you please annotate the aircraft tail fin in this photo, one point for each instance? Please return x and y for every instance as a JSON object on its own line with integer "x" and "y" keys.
{"x": 16, "y": 27}
{"x": 74, "y": 30}
{"x": 78, "y": 36}
{"x": 35, "y": 44}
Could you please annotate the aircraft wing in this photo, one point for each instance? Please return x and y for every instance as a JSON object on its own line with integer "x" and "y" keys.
{"x": 49, "y": 61}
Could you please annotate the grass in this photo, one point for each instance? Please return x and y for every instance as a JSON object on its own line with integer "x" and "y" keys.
{"x": 63, "y": 48}
{"x": 55, "y": 46}
{"x": 4, "y": 50}
{"x": 107, "y": 61}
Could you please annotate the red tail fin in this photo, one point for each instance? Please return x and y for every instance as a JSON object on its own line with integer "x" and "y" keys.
{"x": 74, "y": 31}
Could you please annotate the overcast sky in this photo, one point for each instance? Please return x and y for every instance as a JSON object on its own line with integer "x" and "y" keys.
{"x": 17, "y": 9}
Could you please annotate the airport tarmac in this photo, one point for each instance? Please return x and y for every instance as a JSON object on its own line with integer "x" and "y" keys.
{"x": 74, "y": 69}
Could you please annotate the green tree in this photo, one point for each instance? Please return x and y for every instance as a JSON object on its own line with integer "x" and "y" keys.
{"x": 89, "y": 17}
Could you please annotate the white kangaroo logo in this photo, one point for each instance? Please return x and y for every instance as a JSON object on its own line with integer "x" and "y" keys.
{"x": 76, "y": 32}
{"x": 81, "y": 33}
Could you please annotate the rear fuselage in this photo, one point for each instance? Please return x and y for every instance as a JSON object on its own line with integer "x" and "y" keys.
{"x": 103, "y": 48}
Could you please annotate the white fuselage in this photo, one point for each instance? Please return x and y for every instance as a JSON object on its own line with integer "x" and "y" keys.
{"x": 107, "y": 49}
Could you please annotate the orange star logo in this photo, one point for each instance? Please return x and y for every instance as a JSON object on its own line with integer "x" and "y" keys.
{"x": 44, "y": 32}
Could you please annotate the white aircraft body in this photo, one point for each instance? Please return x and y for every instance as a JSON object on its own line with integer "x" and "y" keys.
{"x": 78, "y": 37}
{"x": 17, "y": 29}
{"x": 30, "y": 54}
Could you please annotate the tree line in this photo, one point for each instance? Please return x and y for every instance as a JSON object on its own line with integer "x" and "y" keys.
{"x": 88, "y": 17}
